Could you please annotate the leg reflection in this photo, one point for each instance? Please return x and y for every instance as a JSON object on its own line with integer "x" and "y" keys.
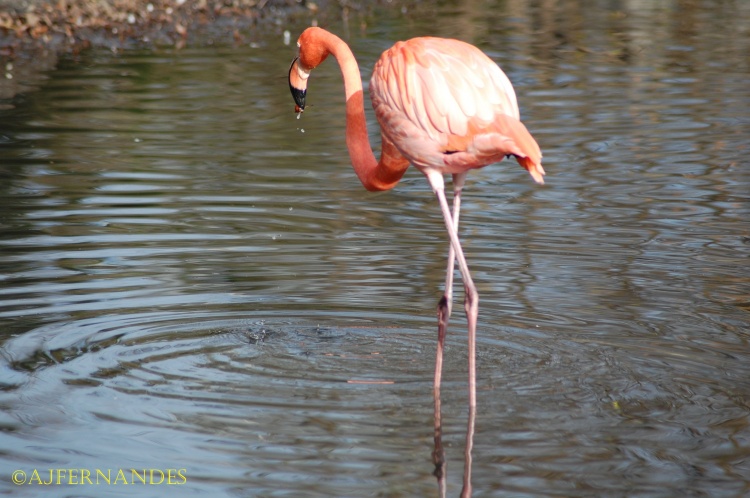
{"x": 466, "y": 490}
{"x": 438, "y": 454}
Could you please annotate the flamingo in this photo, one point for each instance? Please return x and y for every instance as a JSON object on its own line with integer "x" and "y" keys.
{"x": 444, "y": 107}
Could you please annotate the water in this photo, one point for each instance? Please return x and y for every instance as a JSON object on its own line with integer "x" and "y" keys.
{"x": 191, "y": 279}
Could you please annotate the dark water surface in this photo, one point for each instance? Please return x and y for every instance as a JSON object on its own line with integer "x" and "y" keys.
{"x": 191, "y": 279}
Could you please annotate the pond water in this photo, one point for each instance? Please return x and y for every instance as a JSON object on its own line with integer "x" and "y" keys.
{"x": 192, "y": 279}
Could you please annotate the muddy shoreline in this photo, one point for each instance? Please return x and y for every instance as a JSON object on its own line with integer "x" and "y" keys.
{"x": 34, "y": 34}
{"x": 28, "y": 26}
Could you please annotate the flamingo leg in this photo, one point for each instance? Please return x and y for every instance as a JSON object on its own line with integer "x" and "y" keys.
{"x": 444, "y": 312}
{"x": 471, "y": 305}
{"x": 471, "y": 299}
{"x": 445, "y": 305}
{"x": 458, "y": 185}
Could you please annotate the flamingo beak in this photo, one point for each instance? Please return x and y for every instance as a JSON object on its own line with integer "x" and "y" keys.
{"x": 297, "y": 94}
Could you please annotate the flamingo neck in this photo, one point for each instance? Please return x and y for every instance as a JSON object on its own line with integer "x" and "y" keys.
{"x": 374, "y": 174}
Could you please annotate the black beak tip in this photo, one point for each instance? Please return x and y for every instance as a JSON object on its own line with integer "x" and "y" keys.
{"x": 299, "y": 98}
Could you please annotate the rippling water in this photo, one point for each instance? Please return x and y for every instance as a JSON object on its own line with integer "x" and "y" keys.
{"x": 192, "y": 279}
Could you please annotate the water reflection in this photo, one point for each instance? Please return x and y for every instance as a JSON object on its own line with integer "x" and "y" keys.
{"x": 188, "y": 280}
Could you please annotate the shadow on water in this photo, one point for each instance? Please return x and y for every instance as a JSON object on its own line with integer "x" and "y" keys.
{"x": 192, "y": 279}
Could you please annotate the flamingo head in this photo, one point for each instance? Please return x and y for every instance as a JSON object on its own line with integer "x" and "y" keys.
{"x": 313, "y": 46}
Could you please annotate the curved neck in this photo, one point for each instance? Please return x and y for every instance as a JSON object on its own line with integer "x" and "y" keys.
{"x": 374, "y": 174}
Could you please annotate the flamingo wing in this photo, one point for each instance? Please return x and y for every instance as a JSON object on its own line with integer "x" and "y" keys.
{"x": 445, "y": 104}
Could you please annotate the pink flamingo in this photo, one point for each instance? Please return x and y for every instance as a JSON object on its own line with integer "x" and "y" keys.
{"x": 446, "y": 108}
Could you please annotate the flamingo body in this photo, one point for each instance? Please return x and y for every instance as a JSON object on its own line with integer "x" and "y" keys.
{"x": 445, "y": 105}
